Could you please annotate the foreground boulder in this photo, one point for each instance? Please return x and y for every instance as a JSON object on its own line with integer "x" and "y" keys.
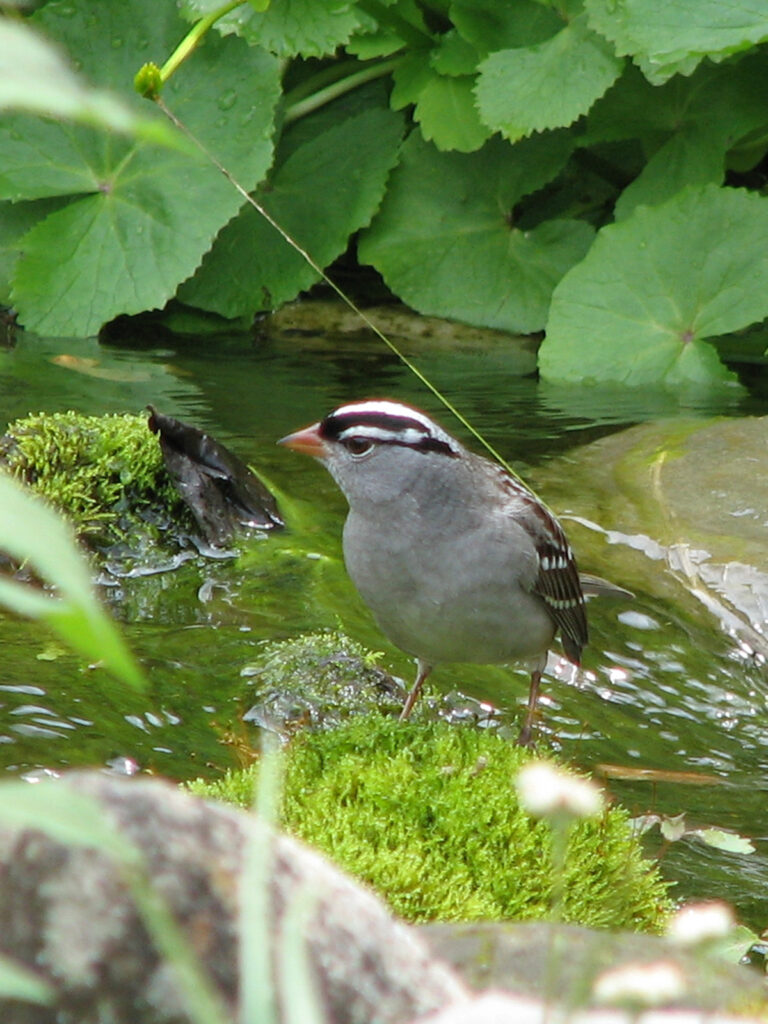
{"x": 69, "y": 912}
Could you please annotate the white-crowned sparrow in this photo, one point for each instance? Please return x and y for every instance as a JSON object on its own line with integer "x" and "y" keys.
{"x": 457, "y": 559}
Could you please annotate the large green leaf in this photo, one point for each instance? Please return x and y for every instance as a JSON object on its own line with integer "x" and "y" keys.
{"x": 651, "y": 290}
{"x": 549, "y": 85}
{"x": 139, "y": 218}
{"x": 15, "y": 220}
{"x": 35, "y": 77}
{"x": 666, "y": 39}
{"x": 325, "y": 188}
{"x": 446, "y": 242}
{"x": 490, "y": 25}
{"x": 32, "y": 533}
{"x": 688, "y": 125}
{"x": 286, "y": 27}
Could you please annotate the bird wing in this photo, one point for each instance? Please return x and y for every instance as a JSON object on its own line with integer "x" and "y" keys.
{"x": 557, "y": 583}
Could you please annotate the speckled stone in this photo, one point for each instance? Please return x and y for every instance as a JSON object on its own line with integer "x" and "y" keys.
{"x": 68, "y": 913}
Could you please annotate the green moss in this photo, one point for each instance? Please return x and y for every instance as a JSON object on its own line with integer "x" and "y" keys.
{"x": 428, "y": 815}
{"x": 98, "y": 471}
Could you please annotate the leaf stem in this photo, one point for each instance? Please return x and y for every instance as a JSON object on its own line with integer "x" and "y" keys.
{"x": 299, "y": 108}
{"x": 193, "y": 37}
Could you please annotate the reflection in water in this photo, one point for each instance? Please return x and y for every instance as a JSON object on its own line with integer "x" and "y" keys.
{"x": 663, "y": 686}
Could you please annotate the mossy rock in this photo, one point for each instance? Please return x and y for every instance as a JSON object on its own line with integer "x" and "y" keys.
{"x": 318, "y": 680}
{"x": 101, "y": 472}
{"x": 427, "y": 814}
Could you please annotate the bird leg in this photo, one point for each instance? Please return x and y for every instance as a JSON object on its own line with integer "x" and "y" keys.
{"x": 423, "y": 671}
{"x": 526, "y": 733}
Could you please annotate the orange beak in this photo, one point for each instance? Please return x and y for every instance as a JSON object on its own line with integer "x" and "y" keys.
{"x": 306, "y": 441}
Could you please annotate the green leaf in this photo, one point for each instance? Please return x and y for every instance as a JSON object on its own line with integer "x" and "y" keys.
{"x": 67, "y": 816}
{"x": 31, "y": 532}
{"x": 453, "y": 55}
{"x": 288, "y": 28}
{"x": 639, "y": 308}
{"x": 666, "y": 39}
{"x": 687, "y": 125}
{"x": 447, "y": 114}
{"x": 734, "y": 946}
{"x": 673, "y": 829}
{"x": 386, "y": 27}
{"x": 139, "y": 218}
{"x": 327, "y": 188}
{"x": 690, "y": 157}
{"x": 17, "y": 982}
{"x": 550, "y": 85}
{"x": 15, "y": 220}
{"x": 644, "y": 823}
{"x": 720, "y": 839}
{"x": 36, "y": 78}
{"x": 490, "y": 25}
{"x": 445, "y": 239}
{"x": 410, "y": 77}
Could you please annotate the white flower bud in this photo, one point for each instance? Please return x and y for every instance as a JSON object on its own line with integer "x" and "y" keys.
{"x": 545, "y": 791}
{"x": 640, "y": 984}
{"x": 700, "y": 922}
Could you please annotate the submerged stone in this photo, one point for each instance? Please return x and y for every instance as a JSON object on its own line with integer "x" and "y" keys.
{"x": 689, "y": 495}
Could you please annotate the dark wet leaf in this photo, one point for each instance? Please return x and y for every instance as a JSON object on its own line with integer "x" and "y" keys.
{"x": 222, "y": 493}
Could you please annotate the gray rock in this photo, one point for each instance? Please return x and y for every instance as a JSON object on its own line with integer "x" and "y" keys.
{"x": 500, "y": 1008}
{"x": 561, "y": 962}
{"x": 68, "y": 912}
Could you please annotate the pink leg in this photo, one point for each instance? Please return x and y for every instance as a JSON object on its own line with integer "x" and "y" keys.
{"x": 423, "y": 671}
{"x": 526, "y": 733}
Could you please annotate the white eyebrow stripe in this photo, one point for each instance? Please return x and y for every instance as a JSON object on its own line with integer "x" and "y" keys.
{"x": 377, "y": 433}
{"x": 383, "y": 407}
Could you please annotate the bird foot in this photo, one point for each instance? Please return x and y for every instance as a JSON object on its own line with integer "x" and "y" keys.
{"x": 525, "y": 736}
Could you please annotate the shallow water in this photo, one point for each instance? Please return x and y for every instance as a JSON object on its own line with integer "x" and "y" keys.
{"x": 663, "y": 688}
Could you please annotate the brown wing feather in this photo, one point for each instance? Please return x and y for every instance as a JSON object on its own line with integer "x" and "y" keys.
{"x": 558, "y": 580}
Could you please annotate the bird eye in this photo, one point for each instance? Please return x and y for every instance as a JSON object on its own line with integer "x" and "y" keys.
{"x": 358, "y": 445}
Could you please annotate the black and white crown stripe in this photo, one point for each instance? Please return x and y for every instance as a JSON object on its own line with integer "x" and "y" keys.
{"x": 387, "y": 422}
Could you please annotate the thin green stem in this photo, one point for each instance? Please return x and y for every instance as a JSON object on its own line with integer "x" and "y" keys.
{"x": 442, "y": 398}
{"x": 559, "y": 828}
{"x": 300, "y": 108}
{"x": 190, "y": 41}
{"x": 320, "y": 79}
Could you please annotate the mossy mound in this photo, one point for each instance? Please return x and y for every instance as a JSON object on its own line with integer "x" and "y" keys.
{"x": 318, "y": 680}
{"x": 101, "y": 472}
{"x": 428, "y": 815}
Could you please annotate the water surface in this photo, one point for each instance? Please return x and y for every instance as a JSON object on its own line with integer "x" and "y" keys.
{"x": 663, "y": 688}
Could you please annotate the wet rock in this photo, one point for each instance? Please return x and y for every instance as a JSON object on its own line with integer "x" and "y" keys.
{"x": 69, "y": 913}
{"x": 689, "y": 494}
{"x": 311, "y": 317}
{"x": 317, "y": 681}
